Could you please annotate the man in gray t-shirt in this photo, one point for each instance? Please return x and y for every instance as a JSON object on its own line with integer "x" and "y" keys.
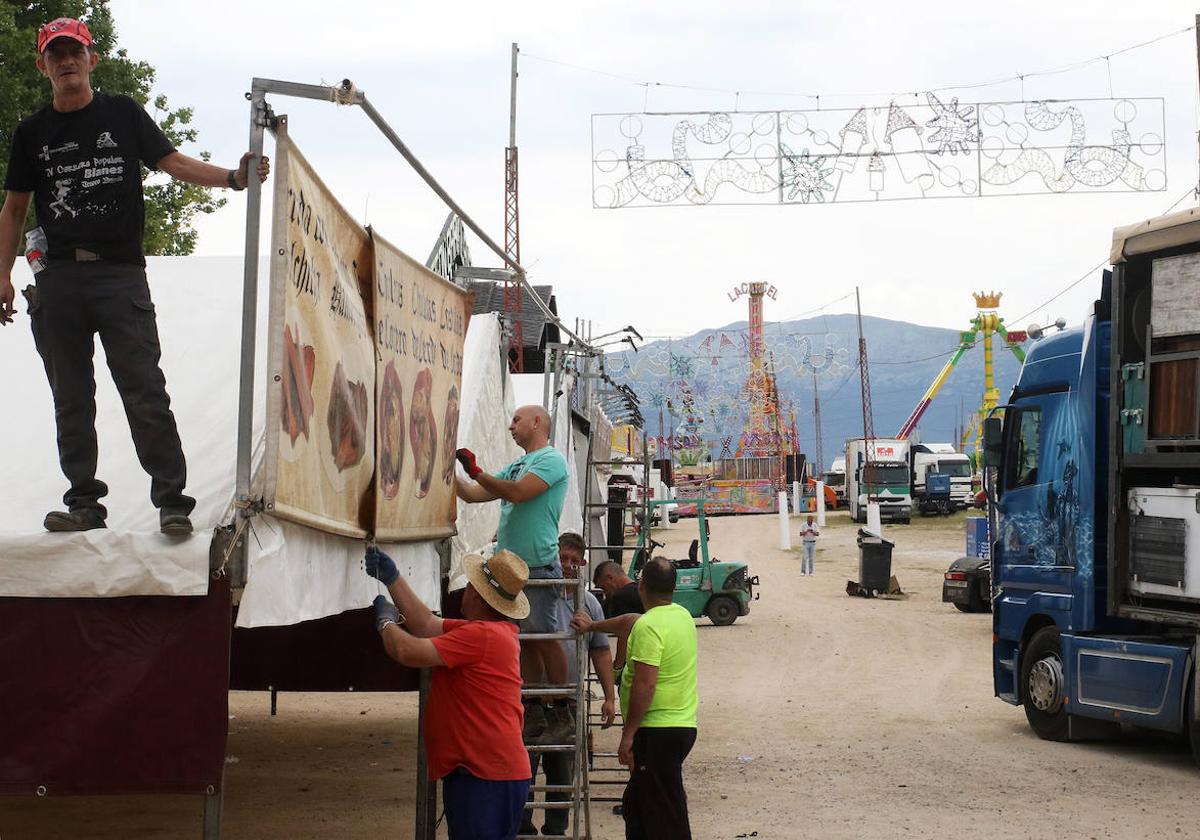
{"x": 560, "y": 766}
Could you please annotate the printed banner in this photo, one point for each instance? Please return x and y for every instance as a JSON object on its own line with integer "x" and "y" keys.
{"x": 420, "y": 326}
{"x": 321, "y": 419}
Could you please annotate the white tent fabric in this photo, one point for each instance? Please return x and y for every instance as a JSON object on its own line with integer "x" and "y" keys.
{"x": 487, "y": 405}
{"x": 295, "y": 574}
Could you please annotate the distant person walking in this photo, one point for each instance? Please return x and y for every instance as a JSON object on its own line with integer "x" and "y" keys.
{"x": 808, "y": 539}
{"x": 531, "y": 491}
{"x": 658, "y": 705}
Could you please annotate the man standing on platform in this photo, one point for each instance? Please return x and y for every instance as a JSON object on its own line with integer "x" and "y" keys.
{"x": 78, "y": 160}
{"x": 658, "y": 705}
{"x": 473, "y": 717}
{"x": 531, "y": 491}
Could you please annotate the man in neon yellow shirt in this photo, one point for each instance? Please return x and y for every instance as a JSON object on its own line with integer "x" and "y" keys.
{"x": 658, "y": 705}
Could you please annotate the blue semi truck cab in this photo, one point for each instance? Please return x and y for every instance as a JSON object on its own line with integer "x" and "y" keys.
{"x": 1093, "y": 474}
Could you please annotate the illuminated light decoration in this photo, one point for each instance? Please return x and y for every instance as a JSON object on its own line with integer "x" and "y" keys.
{"x": 929, "y": 149}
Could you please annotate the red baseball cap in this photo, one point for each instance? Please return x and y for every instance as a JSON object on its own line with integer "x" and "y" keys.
{"x": 63, "y": 27}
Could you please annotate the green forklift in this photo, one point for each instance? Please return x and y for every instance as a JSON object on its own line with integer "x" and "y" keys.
{"x": 703, "y": 586}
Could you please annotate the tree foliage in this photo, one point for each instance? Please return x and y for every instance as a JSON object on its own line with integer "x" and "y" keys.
{"x": 171, "y": 207}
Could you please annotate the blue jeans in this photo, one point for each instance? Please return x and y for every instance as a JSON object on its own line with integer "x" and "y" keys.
{"x": 806, "y": 560}
{"x": 543, "y": 601}
{"x": 480, "y": 809}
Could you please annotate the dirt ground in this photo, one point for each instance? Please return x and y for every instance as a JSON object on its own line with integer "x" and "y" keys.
{"x": 821, "y": 716}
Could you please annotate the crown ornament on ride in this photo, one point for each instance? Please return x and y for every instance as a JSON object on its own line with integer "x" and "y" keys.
{"x": 987, "y": 300}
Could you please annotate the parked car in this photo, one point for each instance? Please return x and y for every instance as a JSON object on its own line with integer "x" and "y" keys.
{"x": 968, "y": 584}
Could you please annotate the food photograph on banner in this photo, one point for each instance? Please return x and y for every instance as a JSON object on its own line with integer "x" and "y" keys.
{"x": 321, "y": 443}
{"x": 420, "y": 327}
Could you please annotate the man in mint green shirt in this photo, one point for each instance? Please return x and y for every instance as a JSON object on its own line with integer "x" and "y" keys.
{"x": 658, "y": 705}
{"x": 531, "y": 491}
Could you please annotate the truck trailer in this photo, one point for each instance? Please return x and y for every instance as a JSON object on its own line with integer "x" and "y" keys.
{"x": 1093, "y": 476}
{"x": 836, "y": 479}
{"x": 877, "y": 471}
{"x": 941, "y": 458}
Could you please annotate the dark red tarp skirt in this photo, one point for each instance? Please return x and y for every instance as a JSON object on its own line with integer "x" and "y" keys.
{"x": 114, "y": 695}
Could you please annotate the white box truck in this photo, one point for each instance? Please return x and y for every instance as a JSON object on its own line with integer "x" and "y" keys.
{"x": 835, "y": 480}
{"x": 941, "y": 458}
{"x": 883, "y": 462}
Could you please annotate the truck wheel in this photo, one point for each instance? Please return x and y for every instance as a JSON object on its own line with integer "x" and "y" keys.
{"x": 1043, "y": 685}
{"x": 967, "y": 608}
{"x": 723, "y": 610}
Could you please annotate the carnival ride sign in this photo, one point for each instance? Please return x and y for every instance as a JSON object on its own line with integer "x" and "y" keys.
{"x": 933, "y": 147}
{"x": 420, "y": 327}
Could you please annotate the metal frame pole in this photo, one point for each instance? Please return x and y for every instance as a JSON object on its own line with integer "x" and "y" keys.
{"x": 426, "y": 810}
{"x": 259, "y": 118}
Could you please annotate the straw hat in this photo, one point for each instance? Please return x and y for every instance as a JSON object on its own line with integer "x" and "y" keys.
{"x": 499, "y": 581}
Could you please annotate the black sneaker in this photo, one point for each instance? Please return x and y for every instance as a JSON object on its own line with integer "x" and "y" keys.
{"x": 84, "y": 519}
{"x": 174, "y": 524}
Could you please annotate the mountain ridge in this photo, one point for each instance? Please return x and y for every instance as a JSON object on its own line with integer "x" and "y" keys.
{"x": 903, "y": 359}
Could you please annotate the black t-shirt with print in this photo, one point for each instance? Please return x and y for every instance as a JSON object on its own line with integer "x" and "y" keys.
{"x": 624, "y": 600}
{"x": 82, "y": 167}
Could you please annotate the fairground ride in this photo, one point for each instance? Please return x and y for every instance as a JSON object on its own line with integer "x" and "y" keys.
{"x": 985, "y": 324}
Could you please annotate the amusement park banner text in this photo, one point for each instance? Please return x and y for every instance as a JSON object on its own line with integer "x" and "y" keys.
{"x": 320, "y": 454}
{"x": 420, "y": 328}
{"x": 365, "y": 372}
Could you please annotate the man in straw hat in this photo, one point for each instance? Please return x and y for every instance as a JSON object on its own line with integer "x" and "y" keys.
{"x": 531, "y": 491}
{"x": 473, "y": 718}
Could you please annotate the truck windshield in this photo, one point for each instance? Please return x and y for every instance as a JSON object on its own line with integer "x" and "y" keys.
{"x": 835, "y": 479}
{"x": 955, "y": 469}
{"x": 887, "y": 475}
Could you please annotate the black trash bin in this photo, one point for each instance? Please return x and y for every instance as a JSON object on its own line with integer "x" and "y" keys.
{"x": 874, "y": 562}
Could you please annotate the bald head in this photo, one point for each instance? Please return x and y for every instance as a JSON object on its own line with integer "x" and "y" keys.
{"x": 530, "y": 427}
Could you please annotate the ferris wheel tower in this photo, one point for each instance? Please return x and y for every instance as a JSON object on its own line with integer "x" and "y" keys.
{"x": 760, "y": 435}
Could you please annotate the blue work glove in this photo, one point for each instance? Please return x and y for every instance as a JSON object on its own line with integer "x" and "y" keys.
{"x": 385, "y": 611}
{"x": 381, "y": 567}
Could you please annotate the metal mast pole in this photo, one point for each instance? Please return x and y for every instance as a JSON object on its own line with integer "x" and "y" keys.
{"x": 864, "y": 375}
{"x": 819, "y": 450}
{"x": 512, "y": 233}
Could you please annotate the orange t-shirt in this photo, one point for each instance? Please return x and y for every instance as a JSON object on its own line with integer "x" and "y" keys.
{"x": 474, "y": 715}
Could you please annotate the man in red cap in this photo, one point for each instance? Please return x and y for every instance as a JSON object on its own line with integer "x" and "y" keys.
{"x": 77, "y": 159}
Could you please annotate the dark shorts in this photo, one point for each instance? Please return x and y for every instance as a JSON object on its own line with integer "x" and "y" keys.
{"x": 481, "y": 809}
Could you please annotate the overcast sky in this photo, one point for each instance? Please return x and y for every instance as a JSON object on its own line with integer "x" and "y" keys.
{"x": 439, "y": 73}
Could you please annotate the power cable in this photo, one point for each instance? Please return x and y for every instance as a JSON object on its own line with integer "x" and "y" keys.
{"x": 1093, "y": 269}
{"x": 738, "y": 93}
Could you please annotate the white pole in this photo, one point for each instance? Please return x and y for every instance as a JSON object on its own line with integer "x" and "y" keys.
{"x": 796, "y": 497}
{"x": 785, "y": 535}
{"x": 874, "y": 521}
{"x": 820, "y": 504}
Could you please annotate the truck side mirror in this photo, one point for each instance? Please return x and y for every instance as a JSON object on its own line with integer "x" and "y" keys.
{"x": 993, "y": 441}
